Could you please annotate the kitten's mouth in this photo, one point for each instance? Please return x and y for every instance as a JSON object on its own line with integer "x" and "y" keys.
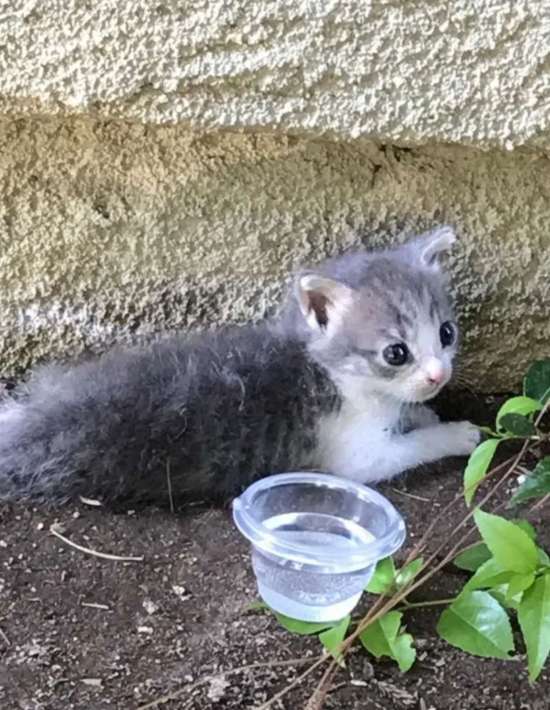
{"x": 427, "y": 394}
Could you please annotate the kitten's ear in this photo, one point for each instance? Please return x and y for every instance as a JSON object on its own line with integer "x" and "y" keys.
{"x": 429, "y": 246}
{"x": 322, "y": 301}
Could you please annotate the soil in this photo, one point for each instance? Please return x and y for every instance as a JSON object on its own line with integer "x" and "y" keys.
{"x": 77, "y": 631}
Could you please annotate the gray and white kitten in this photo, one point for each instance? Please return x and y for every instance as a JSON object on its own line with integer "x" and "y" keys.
{"x": 334, "y": 382}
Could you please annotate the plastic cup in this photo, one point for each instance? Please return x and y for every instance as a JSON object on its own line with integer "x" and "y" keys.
{"x": 315, "y": 539}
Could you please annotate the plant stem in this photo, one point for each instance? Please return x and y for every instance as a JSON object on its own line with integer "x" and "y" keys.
{"x": 384, "y": 604}
{"x": 320, "y": 693}
{"x": 421, "y": 544}
{"x": 540, "y": 503}
{"x": 434, "y": 602}
{"x": 294, "y": 683}
{"x": 379, "y": 608}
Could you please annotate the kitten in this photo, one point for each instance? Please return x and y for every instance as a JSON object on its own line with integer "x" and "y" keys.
{"x": 335, "y": 382}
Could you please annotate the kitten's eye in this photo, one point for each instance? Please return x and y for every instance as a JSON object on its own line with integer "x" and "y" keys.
{"x": 447, "y": 334}
{"x": 396, "y": 355}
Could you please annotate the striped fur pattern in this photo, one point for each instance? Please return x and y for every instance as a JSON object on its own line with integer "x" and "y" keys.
{"x": 204, "y": 414}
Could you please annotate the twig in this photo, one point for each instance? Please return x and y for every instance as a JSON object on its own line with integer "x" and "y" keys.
{"x": 421, "y": 544}
{"x": 379, "y": 609}
{"x": 6, "y": 639}
{"x": 515, "y": 460}
{"x": 540, "y": 503}
{"x": 213, "y": 676}
{"x": 467, "y": 518}
{"x": 90, "y": 501}
{"x": 434, "y": 602}
{"x": 93, "y": 605}
{"x": 320, "y": 693}
{"x": 169, "y": 482}
{"x": 449, "y": 556}
{"x": 89, "y": 551}
{"x": 334, "y": 688}
{"x": 525, "y": 446}
{"x": 295, "y": 682}
{"x": 410, "y": 495}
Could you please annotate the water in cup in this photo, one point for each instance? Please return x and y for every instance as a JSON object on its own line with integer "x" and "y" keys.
{"x": 316, "y": 539}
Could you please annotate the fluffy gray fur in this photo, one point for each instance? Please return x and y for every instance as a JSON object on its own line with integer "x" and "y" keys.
{"x": 206, "y": 414}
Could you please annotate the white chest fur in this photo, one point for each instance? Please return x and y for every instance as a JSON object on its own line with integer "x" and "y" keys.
{"x": 351, "y": 440}
{"x": 363, "y": 441}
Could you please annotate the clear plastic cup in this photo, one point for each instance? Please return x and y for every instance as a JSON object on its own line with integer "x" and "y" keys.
{"x": 315, "y": 539}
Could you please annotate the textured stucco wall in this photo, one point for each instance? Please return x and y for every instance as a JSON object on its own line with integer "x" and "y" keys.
{"x": 403, "y": 71}
{"x": 108, "y": 230}
{"x": 167, "y": 163}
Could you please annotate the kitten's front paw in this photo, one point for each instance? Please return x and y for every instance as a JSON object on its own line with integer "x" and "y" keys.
{"x": 463, "y": 438}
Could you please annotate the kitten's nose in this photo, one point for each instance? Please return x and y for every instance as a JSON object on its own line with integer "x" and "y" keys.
{"x": 435, "y": 374}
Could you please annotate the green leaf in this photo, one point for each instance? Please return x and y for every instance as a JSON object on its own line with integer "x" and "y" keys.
{"x": 511, "y": 547}
{"x": 473, "y": 558}
{"x": 518, "y": 584}
{"x": 537, "y": 381}
{"x": 383, "y": 578}
{"x": 490, "y": 574}
{"x": 332, "y": 638}
{"x": 478, "y": 464}
{"x": 518, "y": 405}
{"x": 404, "y": 652}
{"x": 477, "y": 624}
{"x": 543, "y": 557}
{"x": 518, "y": 425}
{"x": 526, "y": 527}
{"x": 500, "y": 593}
{"x": 537, "y": 483}
{"x": 256, "y": 606}
{"x": 407, "y": 573}
{"x": 378, "y": 636}
{"x": 534, "y": 620}
{"x": 304, "y": 628}
{"x": 385, "y": 637}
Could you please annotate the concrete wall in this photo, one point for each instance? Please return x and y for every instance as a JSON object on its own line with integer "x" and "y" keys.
{"x": 402, "y": 71}
{"x": 115, "y": 221}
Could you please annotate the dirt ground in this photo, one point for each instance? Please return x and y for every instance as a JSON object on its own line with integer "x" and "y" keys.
{"x": 81, "y": 632}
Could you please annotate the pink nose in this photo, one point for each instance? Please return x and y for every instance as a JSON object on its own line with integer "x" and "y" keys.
{"x": 435, "y": 374}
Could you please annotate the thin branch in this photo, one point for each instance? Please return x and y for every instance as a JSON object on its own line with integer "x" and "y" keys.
{"x": 384, "y": 604}
{"x": 378, "y": 610}
{"x": 421, "y": 544}
{"x": 540, "y": 503}
{"x": 320, "y": 693}
{"x": 515, "y": 460}
{"x": 405, "y": 494}
{"x": 90, "y": 551}
{"x": 169, "y": 484}
{"x": 292, "y": 685}
{"x": 213, "y": 676}
{"x": 93, "y": 605}
{"x": 434, "y": 602}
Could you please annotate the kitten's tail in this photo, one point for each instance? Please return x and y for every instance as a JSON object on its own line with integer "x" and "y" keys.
{"x": 31, "y": 463}
{"x": 39, "y": 454}
{"x": 62, "y": 437}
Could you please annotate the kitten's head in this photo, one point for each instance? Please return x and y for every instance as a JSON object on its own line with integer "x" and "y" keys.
{"x": 383, "y": 322}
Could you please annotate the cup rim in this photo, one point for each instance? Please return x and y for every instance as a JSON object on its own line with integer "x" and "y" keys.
{"x": 268, "y": 541}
